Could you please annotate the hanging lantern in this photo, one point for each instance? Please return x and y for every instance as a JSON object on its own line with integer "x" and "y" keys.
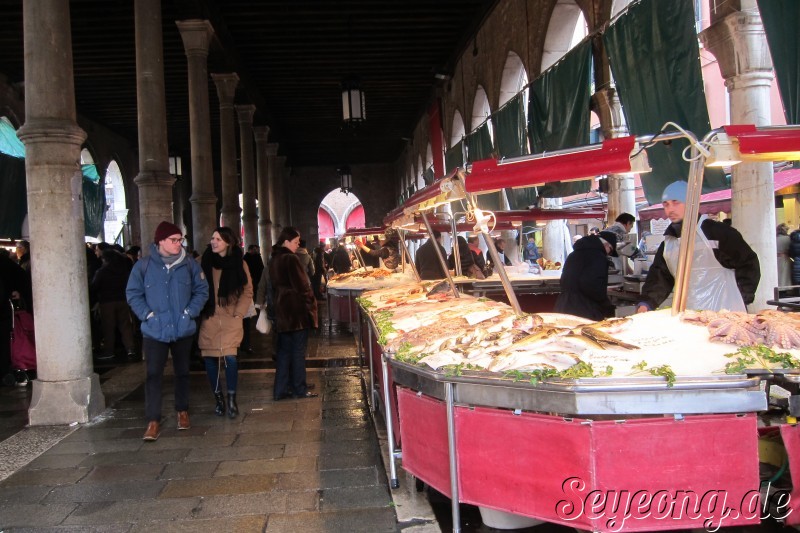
{"x": 352, "y": 101}
{"x": 346, "y": 179}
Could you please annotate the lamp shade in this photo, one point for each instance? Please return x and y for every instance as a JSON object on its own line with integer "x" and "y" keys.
{"x": 346, "y": 180}
{"x": 352, "y": 101}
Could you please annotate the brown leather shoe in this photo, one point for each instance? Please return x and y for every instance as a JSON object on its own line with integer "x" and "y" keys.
{"x": 183, "y": 420}
{"x": 153, "y": 431}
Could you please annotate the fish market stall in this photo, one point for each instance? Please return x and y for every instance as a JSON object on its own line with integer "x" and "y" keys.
{"x": 519, "y": 414}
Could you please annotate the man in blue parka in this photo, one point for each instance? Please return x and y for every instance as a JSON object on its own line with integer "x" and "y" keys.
{"x": 167, "y": 290}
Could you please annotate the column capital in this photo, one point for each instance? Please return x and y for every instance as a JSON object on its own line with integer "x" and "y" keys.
{"x": 245, "y": 113}
{"x": 226, "y": 87}
{"x": 261, "y": 133}
{"x": 272, "y": 149}
{"x": 51, "y": 130}
{"x": 196, "y": 35}
{"x": 609, "y": 110}
{"x": 739, "y": 43}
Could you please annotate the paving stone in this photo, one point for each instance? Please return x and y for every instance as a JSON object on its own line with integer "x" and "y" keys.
{"x": 278, "y": 437}
{"x": 348, "y": 460}
{"x": 239, "y": 524}
{"x": 329, "y": 448}
{"x": 266, "y": 466}
{"x": 130, "y": 511}
{"x": 300, "y": 501}
{"x": 346, "y": 434}
{"x": 361, "y": 521}
{"x": 193, "y": 442}
{"x": 352, "y": 477}
{"x": 236, "y": 453}
{"x": 106, "y": 492}
{"x": 355, "y": 498}
{"x": 13, "y": 495}
{"x": 92, "y": 434}
{"x": 34, "y": 515}
{"x": 345, "y": 403}
{"x": 195, "y": 469}
{"x": 260, "y": 427}
{"x": 243, "y": 504}
{"x": 50, "y": 461}
{"x": 113, "y": 473}
{"x": 143, "y": 456}
{"x": 98, "y": 446}
{"x": 218, "y": 485}
{"x": 53, "y": 476}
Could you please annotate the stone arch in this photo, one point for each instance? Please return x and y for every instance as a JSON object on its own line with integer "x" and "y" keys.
{"x": 458, "y": 129}
{"x": 515, "y": 78}
{"x": 480, "y": 107}
{"x": 86, "y": 157}
{"x": 339, "y": 206}
{"x": 420, "y": 172}
{"x": 567, "y": 27}
{"x": 116, "y": 219}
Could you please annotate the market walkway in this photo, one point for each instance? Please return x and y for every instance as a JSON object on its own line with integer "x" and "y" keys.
{"x": 295, "y": 465}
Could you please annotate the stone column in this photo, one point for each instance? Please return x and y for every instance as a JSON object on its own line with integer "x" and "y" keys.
{"x": 196, "y": 35}
{"x": 154, "y": 180}
{"x": 556, "y": 242}
{"x": 280, "y": 215}
{"x": 621, "y": 187}
{"x": 66, "y": 390}
{"x": 740, "y": 46}
{"x": 231, "y": 211}
{"x": 273, "y": 190}
{"x": 249, "y": 216}
{"x": 263, "y": 157}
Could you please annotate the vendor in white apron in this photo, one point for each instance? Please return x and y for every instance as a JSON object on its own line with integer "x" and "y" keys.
{"x": 725, "y": 270}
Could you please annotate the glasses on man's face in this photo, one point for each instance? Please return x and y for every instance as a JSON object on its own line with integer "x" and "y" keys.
{"x": 173, "y": 240}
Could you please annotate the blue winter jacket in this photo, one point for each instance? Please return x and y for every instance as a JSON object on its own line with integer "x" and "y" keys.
{"x": 174, "y": 295}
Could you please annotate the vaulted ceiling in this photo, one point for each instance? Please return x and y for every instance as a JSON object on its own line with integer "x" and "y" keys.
{"x": 291, "y": 57}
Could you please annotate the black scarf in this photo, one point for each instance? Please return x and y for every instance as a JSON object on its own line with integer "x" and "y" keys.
{"x": 231, "y": 282}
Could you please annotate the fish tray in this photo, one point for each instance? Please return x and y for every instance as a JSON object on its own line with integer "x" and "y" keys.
{"x": 647, "y": 395}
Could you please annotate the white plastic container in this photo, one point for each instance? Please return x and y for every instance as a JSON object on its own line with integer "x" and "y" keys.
{"x": 503, "y": 520}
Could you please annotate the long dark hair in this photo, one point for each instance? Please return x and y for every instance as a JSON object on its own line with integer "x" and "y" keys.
{"x": 287, "y": 234}
{"x": 232, "y": 279}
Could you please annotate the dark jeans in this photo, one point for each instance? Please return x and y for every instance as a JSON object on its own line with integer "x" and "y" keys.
{"x": 155, "y": 356}
{"x": 290, "y": 364}
{"x": 247, "y": 325}
{"x": 231, "y": 372}
{"x": 113, "y": 316}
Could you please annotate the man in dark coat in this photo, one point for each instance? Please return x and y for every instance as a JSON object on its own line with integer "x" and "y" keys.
{"x": 428, "y": 264}
{"x": 584, "y": 280}
{"x": 794, "y": 253}
{"x": 340, "y": 261}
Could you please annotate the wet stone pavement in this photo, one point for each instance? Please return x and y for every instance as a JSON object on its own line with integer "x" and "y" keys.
{"x": 294, "y": 465}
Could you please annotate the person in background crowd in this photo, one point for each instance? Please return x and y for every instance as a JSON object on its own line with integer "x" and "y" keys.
{"x": 13, "y": 283}
{"x": 794, "y": 253}
{"x": 256, "y": 266}
{"x": 167, "y": 290}
{"x": 319, "y": 272}
{"x": 428, "y": 264}
{"x": 477, "y": 253}
{"x": 594, "y": 231}
{"x": 305, "y": 259}
{"x": 621, "y": 227}
{"x": 134, "y": 253}
{"x": 576, "y": 238}
{"x": 108, "y": 290}
{"x": 371, "y": 260}
{"x": 531, "y": 252}
{"x": 340, "y": 260}
{"x": 500, "y": 246}
{"x": 295, "y": 310}
{"x": 584, "y": 279}
{"x": 24, "y": 255}
{"x": 782, "y": 243}
{"x": 725, "y": 270}
{"x": 221, "y": 331}
{"x": 389, "y": 251}
{"x": 466, "y": 259}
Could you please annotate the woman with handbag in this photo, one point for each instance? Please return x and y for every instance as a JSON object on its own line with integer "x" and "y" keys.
{"x": 295, "y": 310}
{"x": 230, "y": 298}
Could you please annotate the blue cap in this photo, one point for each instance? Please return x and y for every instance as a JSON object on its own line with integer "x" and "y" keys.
{"x": 675, "y": 191}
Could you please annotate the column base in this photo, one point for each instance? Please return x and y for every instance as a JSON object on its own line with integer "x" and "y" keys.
{"x": 65, "y": 402}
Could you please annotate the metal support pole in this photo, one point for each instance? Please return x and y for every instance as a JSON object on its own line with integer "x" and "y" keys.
{"x": 442, "y": 260}
{"x": 387, "y": 411}
{"x": 456, "y": 251}
{"x": 452, "y": 456}
{"x": 405, "y": 253}
{"x": 371, "y": 395}
{"x": 501, "y": 271}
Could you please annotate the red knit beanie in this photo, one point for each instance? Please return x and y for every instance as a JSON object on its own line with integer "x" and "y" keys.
{"x": 164, "y": 230}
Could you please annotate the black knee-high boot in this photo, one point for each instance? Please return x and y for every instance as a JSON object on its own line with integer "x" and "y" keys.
{"x": 219, "y": 409}
{"x": 233, "y": 409}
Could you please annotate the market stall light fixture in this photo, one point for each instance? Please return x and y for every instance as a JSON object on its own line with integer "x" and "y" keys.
{"x": 175, "y": 165}
{"x": 346, "y": 179}
{"x": 722, "y": 153}
{"x": 352, "y": 102}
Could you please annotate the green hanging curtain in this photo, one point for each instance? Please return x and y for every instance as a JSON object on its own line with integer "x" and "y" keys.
{"x": 510, "y": 137}
{"x": 559, "y": 114}
{"x": 454, "y": 157}
{"x": 655, "y": 60}
{"x": 94, "y": 201}
{"x": 479, "y": 143}
{"x": 9, "y": 142}
{"x": 13, "y": 196}
{"x": 780, "y": 18}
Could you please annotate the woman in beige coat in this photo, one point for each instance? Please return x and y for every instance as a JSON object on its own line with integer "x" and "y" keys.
{"x": 230, "y": 297}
